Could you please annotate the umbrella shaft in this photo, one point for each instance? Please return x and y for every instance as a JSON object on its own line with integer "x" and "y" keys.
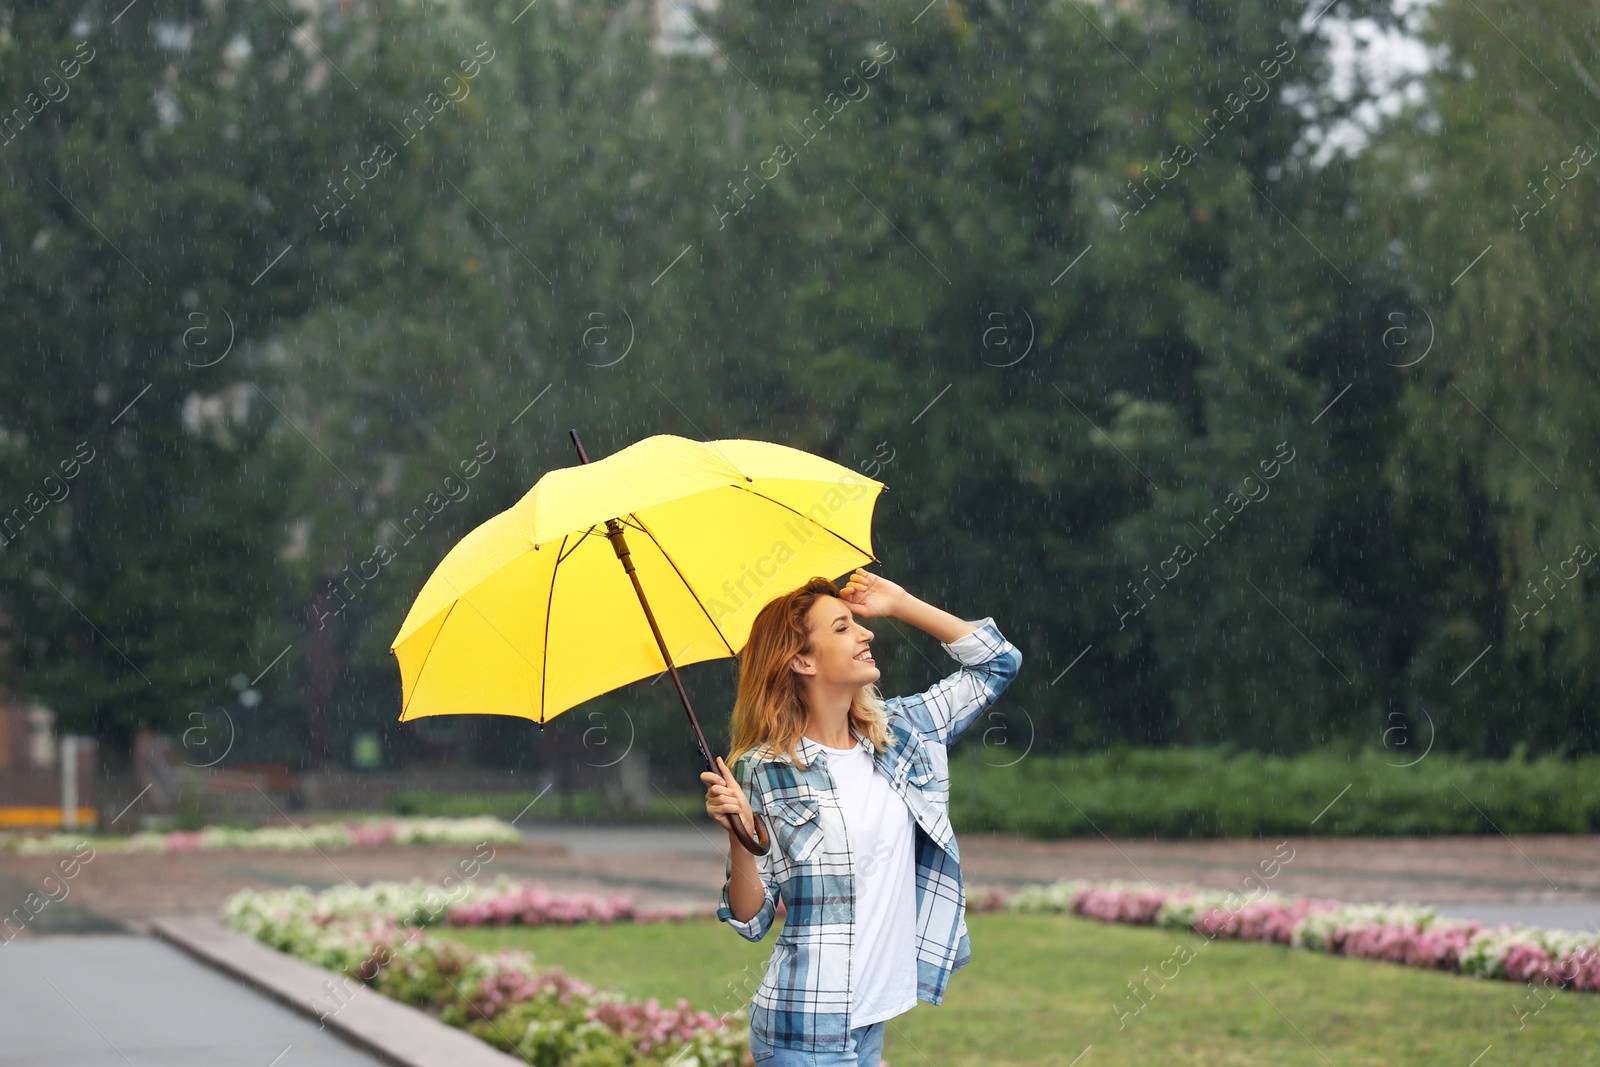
{"x": 619, "y": 544}
{"x": 759, "y": 844}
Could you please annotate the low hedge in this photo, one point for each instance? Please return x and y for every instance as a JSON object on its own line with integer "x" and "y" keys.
{"x": 1181, "y": 793}
{"x": 1195, "y": 793}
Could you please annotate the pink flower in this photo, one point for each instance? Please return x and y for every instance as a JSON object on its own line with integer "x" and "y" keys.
{"x": 367, "y": 836}
{"x": 505, "y": 988}
{"x": 534, "y": 905}
{"x": 987, "y": 898}
{"x": 1115, "y": 905}
{"x": 1580, "y": 969}
{"x": 1439, "y": 948}
{"x": 1262, "y": 920}
{"x": 1530, "y": 963}
{"x": 651, "y": 1025}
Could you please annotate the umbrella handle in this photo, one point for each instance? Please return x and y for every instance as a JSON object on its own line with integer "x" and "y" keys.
{"x": 743, "y": 835}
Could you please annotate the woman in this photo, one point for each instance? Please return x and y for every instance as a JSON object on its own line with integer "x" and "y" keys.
{"x": 854, "y": 790}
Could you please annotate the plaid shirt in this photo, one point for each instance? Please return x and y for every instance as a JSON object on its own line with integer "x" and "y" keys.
{"x": 803, "y": 1000}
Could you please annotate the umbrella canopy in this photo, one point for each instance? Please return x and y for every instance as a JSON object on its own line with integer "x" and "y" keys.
{"x": 532, "y": 614}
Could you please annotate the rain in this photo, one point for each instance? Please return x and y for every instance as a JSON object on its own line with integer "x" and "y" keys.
{"x": 422, "y": 419}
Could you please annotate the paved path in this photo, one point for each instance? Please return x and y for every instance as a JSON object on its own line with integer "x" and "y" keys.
{"x": 1547, "y": 880}
{"x": 1584, "y": 918}
{"x": 112, "y": 1001}
{"x": 1540, "y": 880}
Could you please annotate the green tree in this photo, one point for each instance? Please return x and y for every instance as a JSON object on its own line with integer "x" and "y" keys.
{"x": 843, "y": 231}
{"x": 1486, "y": 192}
{"x": 1017, "y": 176}
{"x": 157, "y": 227}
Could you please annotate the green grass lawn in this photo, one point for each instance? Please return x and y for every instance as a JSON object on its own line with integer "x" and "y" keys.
{"x": 1040, "y": 989}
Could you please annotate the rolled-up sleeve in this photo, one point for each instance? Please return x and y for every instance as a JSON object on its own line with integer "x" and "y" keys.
{"x": 759, "y": 923}
{"x": 989, "y": 663}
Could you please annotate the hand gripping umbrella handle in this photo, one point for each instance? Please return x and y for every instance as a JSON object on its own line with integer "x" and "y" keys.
{"x": 750, "y": 846}
{"x": 620, "y": 545}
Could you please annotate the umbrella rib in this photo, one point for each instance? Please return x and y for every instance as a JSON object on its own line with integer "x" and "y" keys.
{"x": 427, "y": 656}
{"x": 549, "y": 600}
{"x": 808, "y": 518}
{"x": 559, "y": 556}
{"x": 674, "y": 563}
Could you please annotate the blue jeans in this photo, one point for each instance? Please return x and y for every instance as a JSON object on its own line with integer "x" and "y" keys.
{"x": 864, "y": 1046}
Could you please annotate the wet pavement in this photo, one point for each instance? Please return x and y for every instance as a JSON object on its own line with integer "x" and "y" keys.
{"x": 114, "y": 1001}
{"x": 1540, "y": 880}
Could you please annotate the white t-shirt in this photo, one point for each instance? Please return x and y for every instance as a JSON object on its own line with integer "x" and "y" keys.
{"x": 882, "y": 833}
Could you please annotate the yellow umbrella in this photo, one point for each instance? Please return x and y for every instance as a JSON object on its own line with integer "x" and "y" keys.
{"x": 531, "y": 614}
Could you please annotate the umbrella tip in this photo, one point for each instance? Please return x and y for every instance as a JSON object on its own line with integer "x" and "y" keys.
{"x": 577, "y": 444}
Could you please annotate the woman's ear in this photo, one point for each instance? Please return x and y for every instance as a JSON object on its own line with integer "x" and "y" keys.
{"x": 799, "y": 665}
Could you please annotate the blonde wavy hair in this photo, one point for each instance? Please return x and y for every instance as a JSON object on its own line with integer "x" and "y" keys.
{"x": 770, "y": 710}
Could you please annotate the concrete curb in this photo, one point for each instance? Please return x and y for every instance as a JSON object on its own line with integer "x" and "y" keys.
{"x": 393, "y": 1032}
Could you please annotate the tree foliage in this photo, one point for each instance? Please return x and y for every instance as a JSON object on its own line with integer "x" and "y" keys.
{"x": 1145, "y": 381}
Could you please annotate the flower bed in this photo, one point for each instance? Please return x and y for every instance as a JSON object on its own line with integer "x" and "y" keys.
{"x": 419, "y": 903}
{"x": 546, "y": 1017}
{"x": 369, "y": 833}
{"x": 375, "y": 935}
{"x": 1400, "y": 933}
{"x": 513, "y": 904}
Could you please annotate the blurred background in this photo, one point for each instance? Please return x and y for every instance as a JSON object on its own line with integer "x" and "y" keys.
{"x": 1237, "y": 359}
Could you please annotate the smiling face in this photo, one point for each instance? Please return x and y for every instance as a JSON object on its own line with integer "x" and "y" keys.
{"x": 840, "y": 647}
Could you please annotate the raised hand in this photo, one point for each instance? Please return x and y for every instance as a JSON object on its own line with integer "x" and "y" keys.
{"x": 872, "y": 596}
